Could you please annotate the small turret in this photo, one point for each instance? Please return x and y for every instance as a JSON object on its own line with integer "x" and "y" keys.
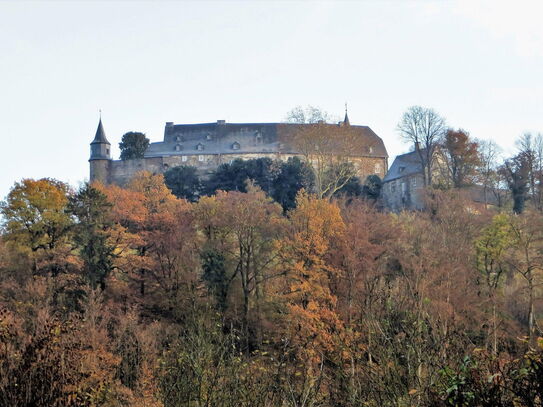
{"x": 346, "y": 119}
{"x": 100, "y": 156}
{"x": 100, "y": 147}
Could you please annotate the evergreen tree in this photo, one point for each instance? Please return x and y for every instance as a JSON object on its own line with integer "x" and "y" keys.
{"x": 133, "y": 145}
{"x": 184, "y": 182}
{"x": 91, "y": 233}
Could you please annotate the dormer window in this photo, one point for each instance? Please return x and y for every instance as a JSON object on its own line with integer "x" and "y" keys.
{"x": 200, "y": 147}
{"x": 235, "y": 145}
{"x": 401, "y": 169}
{"x": 178, "y": 147}
{"x": 258, "y": 138}
{"x": 370, "y": 149}
{"x": 208, "y": 136}
{"x": 178, "y": 138}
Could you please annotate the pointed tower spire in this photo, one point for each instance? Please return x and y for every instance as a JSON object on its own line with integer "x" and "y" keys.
{"x": 100, "y": 136}
{"x": 346, "y": 120}
{"x": 100, "y": 147}
{"x": 100, "y": 157}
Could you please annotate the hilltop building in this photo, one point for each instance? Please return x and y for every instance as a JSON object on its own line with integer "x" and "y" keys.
{"x": 208, "y": 145}
{"x": 403, "y": 186}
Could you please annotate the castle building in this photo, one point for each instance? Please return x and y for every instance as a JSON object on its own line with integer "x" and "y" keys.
{"x": 403, "y": 186}
{"x": 208, "y": 145}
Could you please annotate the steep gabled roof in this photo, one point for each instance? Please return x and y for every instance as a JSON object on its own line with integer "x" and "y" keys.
{"x": 404, "y": 165}
{"x": 100, "y": 137}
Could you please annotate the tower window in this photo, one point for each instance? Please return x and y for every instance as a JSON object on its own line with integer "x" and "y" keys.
{"x": 107, "y": 151}
{"x": 377, "y": 168}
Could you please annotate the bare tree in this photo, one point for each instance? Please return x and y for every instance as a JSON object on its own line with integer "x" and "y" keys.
{"x": 489, "y": 154}
{"x": 532, "y": 149}
{"x": 424, "y": 128}
{"x": 327, "y": 147}
{"x": 309, "y": 114}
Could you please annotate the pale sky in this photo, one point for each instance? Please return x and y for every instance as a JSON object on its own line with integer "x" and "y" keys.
{"x": 478, "y": 63}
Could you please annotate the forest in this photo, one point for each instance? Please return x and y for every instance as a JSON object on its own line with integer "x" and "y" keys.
{"x": 131, "y": 296}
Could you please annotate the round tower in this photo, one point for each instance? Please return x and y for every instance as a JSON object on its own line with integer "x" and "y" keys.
{"x": 100, "y": 157}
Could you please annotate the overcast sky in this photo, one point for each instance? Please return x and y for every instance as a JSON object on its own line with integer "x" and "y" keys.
{"x": 479, "y": 64}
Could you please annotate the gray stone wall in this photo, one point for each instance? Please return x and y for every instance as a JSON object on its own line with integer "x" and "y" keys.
{"x": 404, "y": 193}
{"x": 120, "y": 172}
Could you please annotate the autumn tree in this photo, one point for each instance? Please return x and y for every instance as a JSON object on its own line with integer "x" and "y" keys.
{"x": 423, "y": 128}
{"x": 168, "y": 246}
{"x": 459, "y": 158}
{"x": 526, "y": 261}
{"x": 133, "y": 145}
{"x": 491, "y": 256}
{"x": 313, "y": 323}
{"x": 249, "y": 224}
{"x": 35, "y": 219}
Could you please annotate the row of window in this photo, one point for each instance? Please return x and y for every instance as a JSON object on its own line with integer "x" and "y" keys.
{"x": 403, "y": 185}
{"x": 201, "y": 147}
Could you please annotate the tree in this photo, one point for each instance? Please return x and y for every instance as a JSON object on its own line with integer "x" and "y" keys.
{"x": 327, "y": 149}
{"x": 133, "y": 145}
{"x": 35, "y": 219}
{"x": 184, "y": 182}
{"x": 460, "y": 158}
{"x": 313, "y": 323}
{"x": 372, "y": 187}
{"x": 424, "y": 128}
{"x": 309, "y": 114}
{"x": 488, "y": 175}
{"x": 532, "y": 148}
{"x": 234, "y": 176}
{"x": 491, "y": 250}
{"x": 294, "y": 174}
{"x": 248, "y": 224}
{"x": 516, "y": 172}
{"x": 92, "y": 233}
